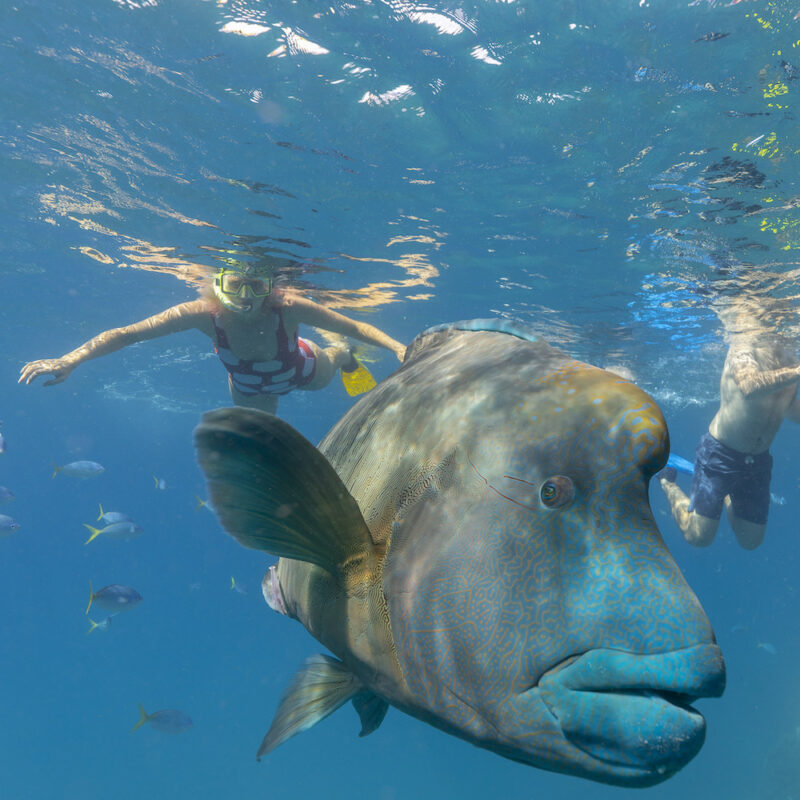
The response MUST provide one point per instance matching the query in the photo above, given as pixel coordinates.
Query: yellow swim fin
(359, 380)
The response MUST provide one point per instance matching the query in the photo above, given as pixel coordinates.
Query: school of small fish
(112, 600)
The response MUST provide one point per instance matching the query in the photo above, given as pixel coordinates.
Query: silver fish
(124, 531)
(113, 599)
(711, 37)
(7, 525)
(167, 721)
(110, 517)
(79, 469)
(100, 626)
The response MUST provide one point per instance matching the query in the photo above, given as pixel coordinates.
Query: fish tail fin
(56, 470)
(91, 598)
(92, 626)
(273, 490)
(200, 502)
(233, 583)
(95, 532)
(322, 685)
(142, 718)
(155, 481)
(101, 512)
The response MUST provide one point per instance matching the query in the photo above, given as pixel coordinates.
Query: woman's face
(241, 294)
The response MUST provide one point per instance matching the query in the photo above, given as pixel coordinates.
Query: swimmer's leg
(748, 534)
(328, 361)
(697, 529)
(262, 402)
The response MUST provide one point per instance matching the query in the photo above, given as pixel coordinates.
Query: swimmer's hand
(400, 352)
(59, 368)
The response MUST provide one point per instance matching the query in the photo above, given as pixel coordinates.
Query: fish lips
(631, 714)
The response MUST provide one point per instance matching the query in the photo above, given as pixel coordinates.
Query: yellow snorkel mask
(237, 291)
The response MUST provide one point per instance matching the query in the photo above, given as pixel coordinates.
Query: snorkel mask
(239, 291)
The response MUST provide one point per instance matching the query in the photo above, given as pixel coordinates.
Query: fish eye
(557, 491)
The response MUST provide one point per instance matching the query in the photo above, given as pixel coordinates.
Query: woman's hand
(59, 368)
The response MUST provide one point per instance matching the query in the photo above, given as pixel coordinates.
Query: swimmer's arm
(182, 317)
(753, 382)
(311, 313)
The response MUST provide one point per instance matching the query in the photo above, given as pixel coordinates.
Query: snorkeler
(254, 329)
(733, 466)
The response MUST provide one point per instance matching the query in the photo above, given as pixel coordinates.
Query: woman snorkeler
(253, 325)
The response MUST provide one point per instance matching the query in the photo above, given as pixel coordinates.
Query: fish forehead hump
(411, 423)
(604, 414)
(464, 389)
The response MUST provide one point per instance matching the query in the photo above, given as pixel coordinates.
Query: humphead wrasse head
(540, 614)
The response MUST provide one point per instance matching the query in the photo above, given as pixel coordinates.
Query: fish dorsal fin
(490, 324)
(273, 490)
(436, 335)
(371, 710)
(322, 685)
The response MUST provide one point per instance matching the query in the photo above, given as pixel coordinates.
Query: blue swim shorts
(719, 471)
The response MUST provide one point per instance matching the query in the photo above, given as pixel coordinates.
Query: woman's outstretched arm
(184, 316)
(311, 313)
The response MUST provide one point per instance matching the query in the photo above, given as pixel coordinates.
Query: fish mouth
(632, 714)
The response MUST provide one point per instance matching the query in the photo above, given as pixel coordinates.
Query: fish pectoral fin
(273, 490)
(322, 685)
(371, 710)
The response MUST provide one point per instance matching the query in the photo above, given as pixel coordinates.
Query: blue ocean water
(602, 171)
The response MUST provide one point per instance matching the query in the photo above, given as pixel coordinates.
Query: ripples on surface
(604, 173)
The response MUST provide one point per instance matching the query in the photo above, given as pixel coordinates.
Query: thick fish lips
(631, 712)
